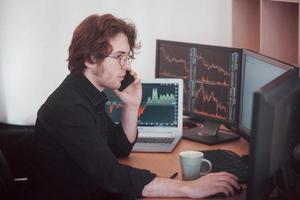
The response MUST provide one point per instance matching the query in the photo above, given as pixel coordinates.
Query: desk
(165, 164)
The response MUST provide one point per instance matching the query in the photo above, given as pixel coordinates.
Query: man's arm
(203, 187)
(85, 145)
(131, 98)
(129, 119)
(117, 139)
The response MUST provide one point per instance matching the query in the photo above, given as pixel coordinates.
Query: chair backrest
(16, 144)
(7, 184)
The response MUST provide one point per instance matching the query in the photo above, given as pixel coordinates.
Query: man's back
(74, 147)
(55, 171)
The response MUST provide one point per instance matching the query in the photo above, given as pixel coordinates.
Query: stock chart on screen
(158, 106)
(210, 76)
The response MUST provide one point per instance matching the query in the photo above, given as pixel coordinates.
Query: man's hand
(208, 185)
(213, 183)
(131, 98)
(132, 95)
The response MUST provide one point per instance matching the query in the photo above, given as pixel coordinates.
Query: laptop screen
(160, 105)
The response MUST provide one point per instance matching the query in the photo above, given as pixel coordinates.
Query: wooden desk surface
(165, 164)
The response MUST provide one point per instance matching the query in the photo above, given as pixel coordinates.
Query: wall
(35, 35)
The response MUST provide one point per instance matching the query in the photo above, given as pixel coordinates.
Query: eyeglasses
(122, 58)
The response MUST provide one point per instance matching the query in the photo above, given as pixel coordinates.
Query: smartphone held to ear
(128, 79)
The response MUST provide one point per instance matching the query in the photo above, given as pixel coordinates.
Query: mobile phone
(128, 79)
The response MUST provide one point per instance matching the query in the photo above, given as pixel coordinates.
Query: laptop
(159, 115)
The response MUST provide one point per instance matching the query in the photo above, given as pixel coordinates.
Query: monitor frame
(189, 113)
(274, 124)
(179, 82)
(244, 131)
(209, 133)
(160, 81)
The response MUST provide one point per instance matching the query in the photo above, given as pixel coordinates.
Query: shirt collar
(94, 95)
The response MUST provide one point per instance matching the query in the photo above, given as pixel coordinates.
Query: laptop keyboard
(155, 140)
(225, 160)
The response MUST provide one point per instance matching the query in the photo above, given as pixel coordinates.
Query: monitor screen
(275, 133)
(172, 61)
(161, 104)
(257, 70)
(210, 75)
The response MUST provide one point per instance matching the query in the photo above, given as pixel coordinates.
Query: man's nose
(127, 66)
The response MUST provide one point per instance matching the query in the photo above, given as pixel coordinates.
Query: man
(77, 144)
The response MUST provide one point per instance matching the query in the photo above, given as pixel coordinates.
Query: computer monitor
(160, 97)
(211, 76)
(257, 70)
(275, 132)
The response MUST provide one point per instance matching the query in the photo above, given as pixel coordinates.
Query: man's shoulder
(67, 95)
(61, 106)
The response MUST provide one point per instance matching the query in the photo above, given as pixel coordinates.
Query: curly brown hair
(91, 40)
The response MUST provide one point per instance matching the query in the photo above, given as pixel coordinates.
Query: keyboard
(225, 160)
(158, 140)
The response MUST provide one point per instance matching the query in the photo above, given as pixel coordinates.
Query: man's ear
(90, 63)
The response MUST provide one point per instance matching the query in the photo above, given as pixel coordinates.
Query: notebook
(159, 115)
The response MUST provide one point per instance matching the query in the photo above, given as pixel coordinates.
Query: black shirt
(76, 145)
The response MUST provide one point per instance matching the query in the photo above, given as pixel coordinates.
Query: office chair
(15, 161)
(7, 184)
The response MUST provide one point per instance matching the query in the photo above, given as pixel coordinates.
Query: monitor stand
(208, 133)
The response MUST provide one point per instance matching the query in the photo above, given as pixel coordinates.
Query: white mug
(191, 163)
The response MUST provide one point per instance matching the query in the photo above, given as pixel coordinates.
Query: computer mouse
(218, 195)
(222, 195)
